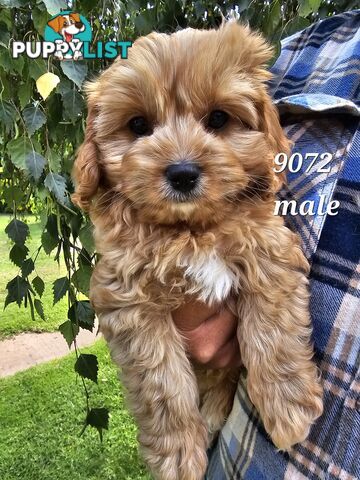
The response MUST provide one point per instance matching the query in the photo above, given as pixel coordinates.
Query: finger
(227, 357)
(192, 314)
(211, 336)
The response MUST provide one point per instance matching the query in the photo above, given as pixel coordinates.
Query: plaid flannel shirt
(317, 89)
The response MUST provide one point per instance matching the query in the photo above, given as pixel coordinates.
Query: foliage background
(39, 137)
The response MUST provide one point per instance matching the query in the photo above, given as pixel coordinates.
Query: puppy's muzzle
(183, 177)
(79, 25)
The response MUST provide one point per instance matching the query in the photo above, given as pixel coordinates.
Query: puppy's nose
(183, 177)
(79, 24)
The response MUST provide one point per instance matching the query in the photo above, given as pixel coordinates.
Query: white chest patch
(211, 276)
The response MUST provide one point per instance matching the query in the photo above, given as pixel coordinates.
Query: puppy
(68, 26)
(177, 172)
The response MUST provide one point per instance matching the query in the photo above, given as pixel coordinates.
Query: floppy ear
(270, 125)
(247, 48)
(86, 170)
(75, 16)
(56, 23)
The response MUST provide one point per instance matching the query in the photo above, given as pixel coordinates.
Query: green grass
(14, 320)
(41, 417)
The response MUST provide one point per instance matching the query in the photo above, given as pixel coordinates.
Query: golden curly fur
(157, 249)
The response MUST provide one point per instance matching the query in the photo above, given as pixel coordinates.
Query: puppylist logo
(68, 37)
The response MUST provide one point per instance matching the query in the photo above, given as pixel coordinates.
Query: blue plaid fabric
(317, 90)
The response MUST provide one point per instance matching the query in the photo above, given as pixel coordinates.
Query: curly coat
(157, 251)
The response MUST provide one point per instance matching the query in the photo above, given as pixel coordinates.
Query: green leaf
(24, 93)
(60, 288)
(12, 194)
(37, 67)
(81, 313)
(38, 285)
(54, 161)
(273, 19)
(35, 164)
(57, 185)
(64, 86)
(39, 308)
(55, 6)
(41, 193)
(75, 70)
(88, 5)
(17, 290)
(6, 60)
(52, 226)
(17, 231)
(99, 419)
(84, 258)
(6, 16)
(34, 119)
(7, 114)
(18, 64)
(295, 25)
(75, 224)
(4, 35)
(200, 9)
(69, 331)
(18, 253)
(27, 267)
(18, 150)
(243, 5)
(48, 242)
(135, 4)
(73, 104)
(40, 18)
(81, 279)
(308, 6)
(277, 49)
(6, 87)
(87, 239)
(86, 366)
(10, 64)
(145, 21)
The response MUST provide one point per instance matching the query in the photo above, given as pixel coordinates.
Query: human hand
(210, 334)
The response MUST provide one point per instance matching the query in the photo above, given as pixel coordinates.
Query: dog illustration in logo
(67, 25)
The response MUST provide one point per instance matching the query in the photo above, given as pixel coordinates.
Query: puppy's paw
(177, 456)
(59, 55)
(294, 410)
(184, 465)
(77, 55)
(195, 467)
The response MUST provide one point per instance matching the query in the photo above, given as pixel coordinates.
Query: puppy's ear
(56, 23)
(86, 170)
(259, 56)
(270, 125)
(246, 48)
(75, 17)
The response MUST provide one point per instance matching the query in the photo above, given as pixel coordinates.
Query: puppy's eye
(217, 119)
(140, 126)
